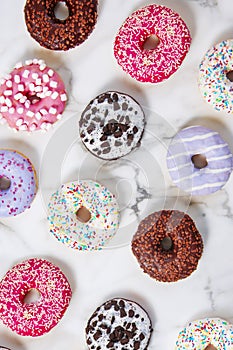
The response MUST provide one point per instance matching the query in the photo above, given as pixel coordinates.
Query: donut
(83, 214)
(55, 34)
(32, 96)
(112, 125)
(199, 160)
(153, 22)
(202, 334)
(35, 318)
(216, 76)
(167, 245)
(119, 324)
(18, 183)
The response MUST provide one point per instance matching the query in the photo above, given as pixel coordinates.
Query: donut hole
(5, 183)
(167, 243)
(210, 347)
(83, 215)
(230, 76)
(199, 161)
(151, 42)
(32, 296)
(33, 98)
(61, 11)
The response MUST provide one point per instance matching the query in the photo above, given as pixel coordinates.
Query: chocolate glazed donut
(55, 34)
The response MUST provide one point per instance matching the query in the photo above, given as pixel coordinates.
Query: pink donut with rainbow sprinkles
(152, 43)
(32, 97)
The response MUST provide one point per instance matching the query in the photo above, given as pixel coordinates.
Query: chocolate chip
(106, 150)
(122, 313)
(135, 130)
(115, 97)
(116, 106)
(97, 335)
(101, 98)
(136, 345)
(141, 336)
(131, 313)
(118, 134)
(130, 137)
(103, 138)
(124, 106)
(104, 144)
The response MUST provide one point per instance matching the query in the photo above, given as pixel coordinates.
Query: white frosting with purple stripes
(196, 140)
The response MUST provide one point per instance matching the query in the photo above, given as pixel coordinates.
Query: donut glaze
(33, 319)
(214, 84)
(175, 263)
(201, 333)
(155, 65)
(198, 140)
(112, 125)
(32, 97)
(19, 170)
(119, 324)
(103, 209)
(55, 34)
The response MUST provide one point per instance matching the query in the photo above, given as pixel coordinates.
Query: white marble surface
(140, 181)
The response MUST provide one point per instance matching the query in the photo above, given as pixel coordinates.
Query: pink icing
(33, 319)
(32, 97)
(157, 64)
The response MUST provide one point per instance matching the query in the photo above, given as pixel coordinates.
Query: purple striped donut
(18, 183)
(199, 160)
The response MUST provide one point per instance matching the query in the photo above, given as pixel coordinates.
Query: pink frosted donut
(34, 318)
(32, 96)
(158, 64)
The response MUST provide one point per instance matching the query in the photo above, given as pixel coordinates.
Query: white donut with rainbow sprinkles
(32, 97)
(206, 334)
(216, 76)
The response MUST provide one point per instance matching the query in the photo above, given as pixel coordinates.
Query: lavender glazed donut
(33, 318)
(18, 183)
(199, 160)
(159, 63)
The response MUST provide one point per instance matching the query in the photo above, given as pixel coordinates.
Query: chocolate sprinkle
(55, 34)
(110, 328)
(179, 261)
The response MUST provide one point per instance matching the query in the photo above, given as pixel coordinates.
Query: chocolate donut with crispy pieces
(167, 245)
(60, 34)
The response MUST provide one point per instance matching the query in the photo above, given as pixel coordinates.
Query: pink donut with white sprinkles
(27, 317)
(152, 23)
(32, 97)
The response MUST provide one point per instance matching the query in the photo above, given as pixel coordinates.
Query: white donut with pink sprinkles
(32, 97)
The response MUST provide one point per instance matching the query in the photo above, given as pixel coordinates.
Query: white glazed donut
(191, 144)
(200, 334)
(83, 215)
(216, 76)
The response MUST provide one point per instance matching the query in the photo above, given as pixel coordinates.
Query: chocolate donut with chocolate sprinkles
(60, 34)
(119, 324)
(167, 245)
(112, 125)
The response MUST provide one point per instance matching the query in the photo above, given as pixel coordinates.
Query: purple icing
(196, 140)
(20, 171)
